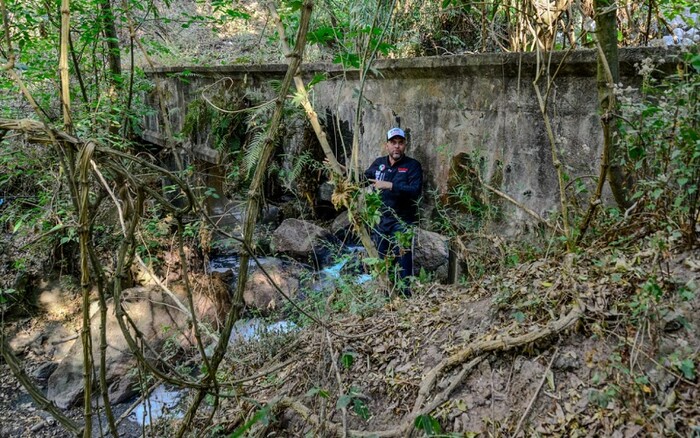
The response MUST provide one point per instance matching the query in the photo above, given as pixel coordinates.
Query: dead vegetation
(601, 343)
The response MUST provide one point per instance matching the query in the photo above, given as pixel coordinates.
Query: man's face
(396, 147)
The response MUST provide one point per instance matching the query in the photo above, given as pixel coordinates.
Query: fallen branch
(534, 396)
(477, 348)
(516, 203)
(501, 343)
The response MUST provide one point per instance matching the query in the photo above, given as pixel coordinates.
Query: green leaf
(360, 408)
(262, 415)
(695, 62)
(347, 60)
(322, 35)
(429, 425)
(317, 391)
(372, 261)
(343, 401)
(688, 369)
(295, 5)
(318, 77)
(519, 316)
(348, 358)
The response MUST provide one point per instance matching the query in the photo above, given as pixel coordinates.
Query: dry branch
(33, 391)
(501, 343)
(534, 396)
(477, 348)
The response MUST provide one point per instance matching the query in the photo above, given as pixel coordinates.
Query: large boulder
(304, 241)
(156, 316)
(260, 294)
(431, 253)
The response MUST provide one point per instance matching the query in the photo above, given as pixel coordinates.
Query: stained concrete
(476, 103)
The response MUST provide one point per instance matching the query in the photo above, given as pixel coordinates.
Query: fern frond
(253, 151)
(303, 162)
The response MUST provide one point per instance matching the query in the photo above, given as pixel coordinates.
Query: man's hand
(382, 185)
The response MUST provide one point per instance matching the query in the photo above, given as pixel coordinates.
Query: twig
(516, 203)
(536, 394)
(334, 363)
(139, 400)
(654, 361)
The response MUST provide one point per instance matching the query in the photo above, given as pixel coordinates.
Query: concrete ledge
(577, 62)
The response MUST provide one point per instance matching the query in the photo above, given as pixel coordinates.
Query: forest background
(73, 86)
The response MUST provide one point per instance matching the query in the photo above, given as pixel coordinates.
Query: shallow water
(161, 403)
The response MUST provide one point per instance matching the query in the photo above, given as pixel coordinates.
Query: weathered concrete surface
(484, 103)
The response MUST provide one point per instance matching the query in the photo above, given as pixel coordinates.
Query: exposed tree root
(474, 351)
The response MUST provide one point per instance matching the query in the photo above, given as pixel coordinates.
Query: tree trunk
(112, 40)
(608, 65)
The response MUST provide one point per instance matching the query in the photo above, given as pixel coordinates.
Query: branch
(477, 348)
(605, 153)
(534, 396)
(514, 202)
(35, 392)
(500, 343)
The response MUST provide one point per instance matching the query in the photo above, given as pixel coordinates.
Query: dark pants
(387, 244)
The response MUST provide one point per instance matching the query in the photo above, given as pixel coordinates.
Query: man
(399, 180)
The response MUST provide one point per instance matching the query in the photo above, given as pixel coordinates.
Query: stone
(44, 370)
(123, 389)
(431, 253)
(325, 191)
(341, 224)
(156, 316)
(263, 296)
(303, 241)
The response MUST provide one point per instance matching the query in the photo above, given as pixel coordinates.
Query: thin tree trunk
(112, 41)
(84, 236)
(606, 32)
(254, 195)
(595, 200)
(63, 65)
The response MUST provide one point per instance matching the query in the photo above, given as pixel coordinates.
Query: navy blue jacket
(401, 202)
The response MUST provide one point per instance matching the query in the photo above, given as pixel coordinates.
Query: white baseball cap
(394, 132)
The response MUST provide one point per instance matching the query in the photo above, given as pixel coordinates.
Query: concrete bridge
(474, 110)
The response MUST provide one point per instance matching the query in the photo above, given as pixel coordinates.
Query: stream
(166, 402)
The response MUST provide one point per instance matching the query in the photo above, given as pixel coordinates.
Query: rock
(45, 370)
(152, 311)
(341, 225)
(303, 241)
(261, 295)
(270, 215)
(123, 389)
(431, 253)
(325, 191)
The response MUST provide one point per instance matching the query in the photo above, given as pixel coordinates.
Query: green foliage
(348, 358)
(317, 391)
(661, 136)
(372, 213)
(262, 415)
(302, 164)
(6, 295)
(225, 129)
(350, 32)
(355, 398)
(428, 425)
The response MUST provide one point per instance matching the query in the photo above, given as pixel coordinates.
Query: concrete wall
(450, 105)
